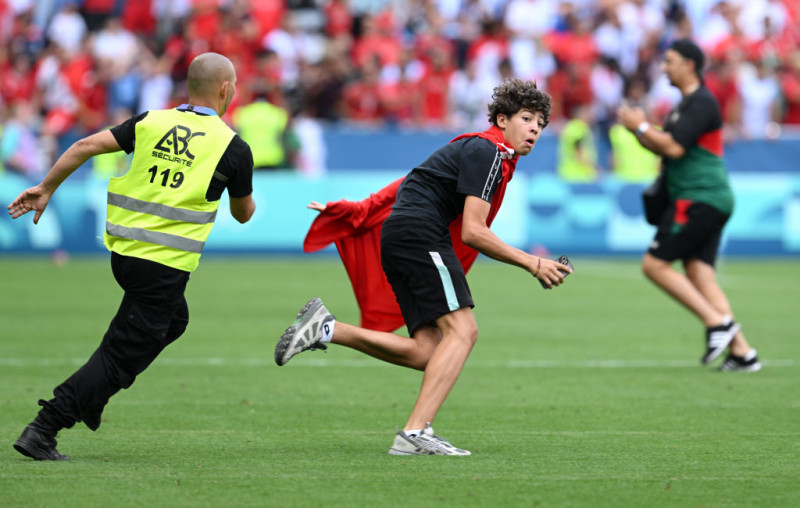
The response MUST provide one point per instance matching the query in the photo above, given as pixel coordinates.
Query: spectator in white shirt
(759, 90)
(67, 28)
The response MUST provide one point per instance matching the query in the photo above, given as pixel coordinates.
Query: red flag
(355, 227)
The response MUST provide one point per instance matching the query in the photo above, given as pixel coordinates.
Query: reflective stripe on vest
(163, 211)
(165, 239)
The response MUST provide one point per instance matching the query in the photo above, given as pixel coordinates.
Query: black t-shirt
(700, 174)
(235, 167)
(433, 194)
(697, 114)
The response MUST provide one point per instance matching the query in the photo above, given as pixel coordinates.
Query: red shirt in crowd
(137, 17)
(429, 43)
(386, 49)
(378, 40)
(339, 21)
(570, 47)
(433, 92)
(362, 101)
(98, 6)
(790, 84)
(569, 88)
(268, 14)
(205, 19)
(725, 89)
(19, 81)
(399, 100)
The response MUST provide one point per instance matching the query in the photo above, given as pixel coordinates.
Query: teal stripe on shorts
(447, 282)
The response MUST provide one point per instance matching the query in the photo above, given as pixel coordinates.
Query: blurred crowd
(71, 67)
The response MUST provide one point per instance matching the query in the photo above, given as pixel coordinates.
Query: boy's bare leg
(459, 334)
(390, 347)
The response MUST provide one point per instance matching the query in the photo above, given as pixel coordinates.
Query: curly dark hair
(515, 94)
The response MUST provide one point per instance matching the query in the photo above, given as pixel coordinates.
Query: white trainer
(426, 443)
(746, 363)
(305, 333)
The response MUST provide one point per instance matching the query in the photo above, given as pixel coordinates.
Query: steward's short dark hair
(514, 95)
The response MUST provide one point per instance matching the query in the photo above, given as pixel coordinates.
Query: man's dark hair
(691, 51)
(514, 95)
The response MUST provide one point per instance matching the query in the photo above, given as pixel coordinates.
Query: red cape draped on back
(355, 227)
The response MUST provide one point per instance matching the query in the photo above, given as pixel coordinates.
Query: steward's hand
(35, 198)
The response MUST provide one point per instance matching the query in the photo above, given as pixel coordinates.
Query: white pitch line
(322, 362)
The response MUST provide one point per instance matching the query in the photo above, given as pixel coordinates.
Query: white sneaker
(426, 443)
(746, 363)
(305, 333)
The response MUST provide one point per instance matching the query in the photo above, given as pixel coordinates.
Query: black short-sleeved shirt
(235, 166)
(433, 194)
(697, 114)
(700, 174)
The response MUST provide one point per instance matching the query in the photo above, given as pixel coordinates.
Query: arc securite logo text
(174, 145)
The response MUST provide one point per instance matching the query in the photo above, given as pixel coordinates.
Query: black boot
(36, 444)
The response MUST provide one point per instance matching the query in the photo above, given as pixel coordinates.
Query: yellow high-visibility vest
(262, 126)
(570, 167)
(633, 162)
(158, 209)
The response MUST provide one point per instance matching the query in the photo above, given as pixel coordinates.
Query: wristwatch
(642, 128)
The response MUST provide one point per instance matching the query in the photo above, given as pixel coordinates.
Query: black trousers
(153, 313)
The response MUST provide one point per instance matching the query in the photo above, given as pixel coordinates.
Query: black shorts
(689, 230)
(427, 278)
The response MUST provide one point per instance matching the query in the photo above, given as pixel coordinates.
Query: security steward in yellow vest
(263, 126)
(632, 161)
(577, 155)
(159, 215)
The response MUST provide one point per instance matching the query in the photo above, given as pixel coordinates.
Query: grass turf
(589, 395)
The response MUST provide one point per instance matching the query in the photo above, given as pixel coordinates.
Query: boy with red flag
(438, 222)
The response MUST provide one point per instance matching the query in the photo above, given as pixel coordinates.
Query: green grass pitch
(588, 395)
